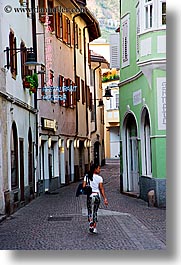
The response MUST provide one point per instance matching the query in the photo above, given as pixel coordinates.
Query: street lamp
(107, 93)
(101, 104)
(30, 62)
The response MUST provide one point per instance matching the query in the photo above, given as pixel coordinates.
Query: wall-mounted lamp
(59, 142)
(85, 143)
(68, 143)
(88, 143)
(101, 104)
(107, 93)
(39, 140)
(49, 142)
(76, 143)
(30, 62)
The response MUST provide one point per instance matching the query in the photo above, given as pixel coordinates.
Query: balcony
(152, 53)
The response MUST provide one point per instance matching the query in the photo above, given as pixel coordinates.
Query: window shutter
(125, 41)
(42, 13)
(57, 26)
(51, 15)
(90, 101)
(115, 50)
(83, 91)
(65, 28)
(61, 79)
(66, 84)
(78, 87)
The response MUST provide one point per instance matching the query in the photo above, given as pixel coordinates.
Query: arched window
(14, 157)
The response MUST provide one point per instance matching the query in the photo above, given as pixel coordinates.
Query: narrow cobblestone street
(58, 221)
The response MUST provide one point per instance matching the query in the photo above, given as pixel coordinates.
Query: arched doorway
(130, 155)
(145, 143)
(30, 163)
(14, 157)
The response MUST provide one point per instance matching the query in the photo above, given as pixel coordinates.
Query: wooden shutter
(57, 26)
(65, 28)
(83, 91)
(74, 94)
(51, 15)
(90, 101)
(67, 92)
(78, 88)
(61, 79)
(42, 13)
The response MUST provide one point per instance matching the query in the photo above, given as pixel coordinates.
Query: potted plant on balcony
(31, 82)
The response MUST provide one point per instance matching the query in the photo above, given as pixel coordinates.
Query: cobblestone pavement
(58, 221)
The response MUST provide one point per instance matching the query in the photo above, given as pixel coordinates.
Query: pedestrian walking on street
(93, 200)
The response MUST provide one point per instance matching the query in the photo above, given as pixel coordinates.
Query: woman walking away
(93, 200)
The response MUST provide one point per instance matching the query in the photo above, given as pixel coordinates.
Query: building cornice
(130, 79)
(18, 102)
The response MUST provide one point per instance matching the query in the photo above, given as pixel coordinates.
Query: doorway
(130, 155)
(21, 145)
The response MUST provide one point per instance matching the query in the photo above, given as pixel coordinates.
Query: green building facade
(143, 98)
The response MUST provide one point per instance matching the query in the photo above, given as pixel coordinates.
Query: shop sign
(48, 124)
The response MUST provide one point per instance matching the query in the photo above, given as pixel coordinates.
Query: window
(163, 13)
(80, 40)
(137, 30)
(111, 103)
(13, 54)
(59, 26)
(90, 101)
(76, 36)
(93, 114)
(148, 14)
(125, 41)
(117, 101)
(66, 30)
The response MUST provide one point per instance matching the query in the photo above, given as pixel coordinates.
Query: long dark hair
(91, 171)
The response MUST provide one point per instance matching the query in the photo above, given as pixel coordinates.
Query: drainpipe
(85, 77)
(35, 51)
(35, 96)
(95, 107)
(75, 74)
